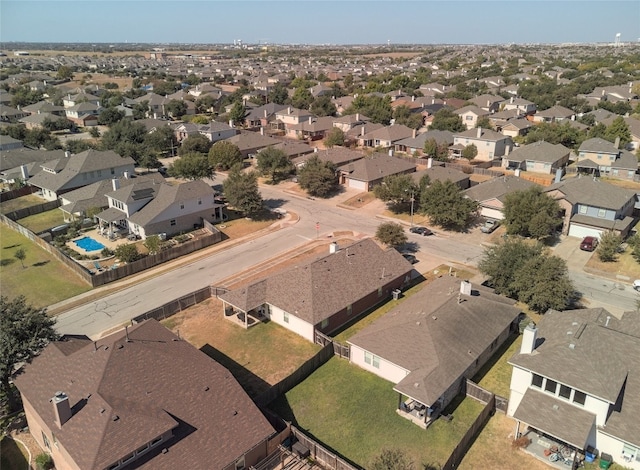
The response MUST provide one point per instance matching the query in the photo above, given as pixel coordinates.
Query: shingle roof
(137, 389)
(251, 141)
(497, 188)
(377, 166)
(597, 144)
(390, 133)
(418, 141)
(435, 337)
(592, 192)
(316, 290)
(440, 173)
(485, 134)
(539, 151)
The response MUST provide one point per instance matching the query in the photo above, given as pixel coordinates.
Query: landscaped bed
(353, 412)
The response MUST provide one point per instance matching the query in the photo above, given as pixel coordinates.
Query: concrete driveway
(569, 250)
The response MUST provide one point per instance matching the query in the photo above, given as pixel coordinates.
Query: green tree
(470, 152)
(127, 253)
(24, 332)
(377, 108)
(206, 104)
(241, 190)
(543, 283)
(501, 262)
(484, 122)
(20, 254)
(126, 138)
(392, 459)
(278, 94)
(199, 119)
(161, 141)
(44, 462)
(531, 213)
(439, 152)
(334, 137)
(318, 178)
(323, 106)
(618, 129)
(274, 162)
(446, 120)
(396, 191)
(192, 166)
(195, 143)
(301, 98)
(153, 244)
(77, 146)
(140, 110)
(609, 246)
(57, 124)
(110, 116)
(446, 206)
(403, 115)
(149, 161)
(176, 108)
(238, 113)
(556, 133)
(64, 73)
(391, 234)
(223, 155)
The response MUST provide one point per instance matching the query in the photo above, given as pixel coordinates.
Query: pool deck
(95, 234)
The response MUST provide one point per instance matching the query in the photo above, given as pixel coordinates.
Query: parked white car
(636, 284)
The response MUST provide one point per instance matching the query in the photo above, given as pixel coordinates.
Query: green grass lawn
(20, 203)
(13, 456)
(43, 221)
(495, 376)
(43, 280)
(353, 413)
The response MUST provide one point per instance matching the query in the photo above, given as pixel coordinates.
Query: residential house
(600, 157)
(139, 398)
(524, 106)
(415, 145)
(554, 114)
(250, 143)
(385, 136)
(490, 195)
(11, 115)
(348, 122)
(634, 129)
(368, 172)
(342, 103)
(442, 173)
(9, 143)
(294, 148)
(320, 90)
(338, 156)
(38, 120)
(291, 116)
(312, 129)
(592, 207)
(491, 145)
(516, 127)
(324, 294)
(84, 114)
(490, 103)
(538, 157)
(432, 342)
(353, 135)
(45, 107)
(470, 115)
(575, 380)
(216, 131)
(74, 171)
(262, 116)
(11, 160)
(73, 100)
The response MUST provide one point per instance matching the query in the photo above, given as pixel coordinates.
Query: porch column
(399, 401)
(517, 435)
(246, 320)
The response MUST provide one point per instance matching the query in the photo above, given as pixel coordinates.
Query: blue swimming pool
(89, 244)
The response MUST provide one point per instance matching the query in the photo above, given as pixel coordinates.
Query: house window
(372, 359)
(536, 381)
(579, 397)
(285, 317)
(240, 463)
(551, 386)
(599, 157)
(45, 439)
(182, 205)
(469, 118)
(565, 392)
(113, 466)
(173, 222)
(583, 209)
(602, 213)
(99, 172)
(113, 171)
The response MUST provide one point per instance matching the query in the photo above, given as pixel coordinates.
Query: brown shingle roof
(376, 167)
(152, 382)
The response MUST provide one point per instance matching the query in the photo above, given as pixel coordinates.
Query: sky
(320, 22)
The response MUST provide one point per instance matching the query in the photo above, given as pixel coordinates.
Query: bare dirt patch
(359, 200)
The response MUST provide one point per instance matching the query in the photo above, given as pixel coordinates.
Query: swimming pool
(88, 244)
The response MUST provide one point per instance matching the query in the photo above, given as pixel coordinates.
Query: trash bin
(590, 455)
(605, 461)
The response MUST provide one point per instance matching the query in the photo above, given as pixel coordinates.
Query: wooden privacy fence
(317, 452)
(32, 210)
(16, 193)
(339, 349)
(482, 395)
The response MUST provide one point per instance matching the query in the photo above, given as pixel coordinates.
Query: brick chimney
(61, 408)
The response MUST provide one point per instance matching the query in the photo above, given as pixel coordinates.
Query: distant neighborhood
(450, 215)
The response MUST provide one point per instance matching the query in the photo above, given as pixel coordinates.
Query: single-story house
(490, 195)
(442, 173)
(385, 136)
(415, 145)
(367, 172)
(323, 294)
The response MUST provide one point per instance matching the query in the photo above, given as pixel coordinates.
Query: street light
(412, 201)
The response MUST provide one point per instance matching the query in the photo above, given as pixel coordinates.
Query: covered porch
(112, 224)
(245, 319)
(416, 412)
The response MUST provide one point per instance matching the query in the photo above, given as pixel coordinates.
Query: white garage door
(581, 231)
(491, 213)
(358, 184)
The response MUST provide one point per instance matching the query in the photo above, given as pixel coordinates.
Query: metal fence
(317, 452)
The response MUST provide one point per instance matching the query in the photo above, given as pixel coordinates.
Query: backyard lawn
(495, 376)
(243, 352)
(43, 280)
(20, 203)
(45, 220)
(353, 413)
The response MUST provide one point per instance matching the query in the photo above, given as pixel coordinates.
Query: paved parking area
(569, 250)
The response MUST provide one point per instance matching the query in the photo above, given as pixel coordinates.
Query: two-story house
(488, 102)
(470, 115)
(554, 114)
(538, 157)
(74, 171)
(592, 207)
(524, 106)
(600, 157)
(291, 116)
(576, 381)
(385, 136)
(491, 145)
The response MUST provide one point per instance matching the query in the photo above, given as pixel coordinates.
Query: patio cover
(555, 417)
(111, 215)
(587, 163)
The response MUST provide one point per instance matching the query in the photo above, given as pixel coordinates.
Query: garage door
(491, 213)
(362, 185)
(581, 231)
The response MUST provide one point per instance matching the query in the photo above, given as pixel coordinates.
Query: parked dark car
(424, 231)
(589, 244)
(410, 258)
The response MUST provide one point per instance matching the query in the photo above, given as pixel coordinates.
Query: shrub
(106, 252)
(44, 462)
(521, 442)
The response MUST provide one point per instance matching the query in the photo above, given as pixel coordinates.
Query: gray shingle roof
(540, 151)
(597, 144)
(592, 192)
(497, 188)
(440, 173)
(418, 141)
(377, 166)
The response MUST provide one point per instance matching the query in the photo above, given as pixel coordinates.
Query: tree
(140, 110)
(484, 122)
(24, 332)
(176, 108)
(318, 178)
(127, 253)
(392, 459)
(44, 462)
(279, 94)
(64, 72)
(206, 103)
(77, 146)
(609, 246)
(126, 138)
(153, 244)
(149, 161)
(274, 162)
(391, 234)
(241, 190)
(20, 255)
(543, 283)
(501, 262)
(110, 116)
(531, 213)
(323, 106)
(403, 115)
(195, 143)
(618, 129)
(377, 108)
(57, 124)
(436, 151)
(446, 120)
(334, 137)
(192, 166)
(162, 141)
(223, 155)
(238, 113)
(301, 98)
(470, 152)
(445, 204)
(396, 190)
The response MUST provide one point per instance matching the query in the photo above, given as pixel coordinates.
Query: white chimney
(67, 154)
(61, 408)
(479, 132)
(265, 113)
(261, 130)
(517, 173)
(24, 172)
(391, 152)
(115, 184)
(465, 287)
(333, 247)
(310, 120)
(617, 142)
(488, 103)
(415, 132)
(430, 162)
(511, 100)
(289, 110)
(357, 117)
(230, 122)
(125, 174)
(529, 338)
(362, 130)
(413, 98)
(315, 149)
